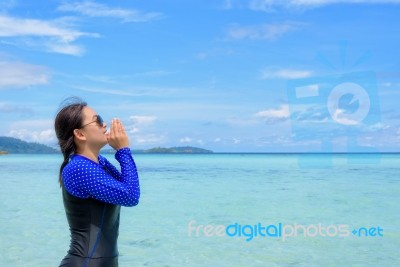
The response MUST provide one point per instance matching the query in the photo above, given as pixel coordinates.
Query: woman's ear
(78, 134)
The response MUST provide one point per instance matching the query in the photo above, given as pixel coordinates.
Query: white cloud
(101, 79)
(15, 108)
(40, 131)
(285, 74)
(148, 139)
(139, 122)
(52, 36)
(93, 9)
(230, 4)
(310, 114)
(18, 74)
(133, 129)
(34, 125)
(46, 136)
(106, 91)
(341, 117)
(241, 121)
(387, 84)
(261, 32)
(235, 141)
(378, 126)
(214, 52)
(261, 5)
(155, 73)
(226, 141)
(65, 48)
(202, 55)
(271, 5)
(185, 140)
(280, 113)
(142, 119)
(133, 91)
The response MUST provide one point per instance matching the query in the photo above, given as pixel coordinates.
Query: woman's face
(95, 133)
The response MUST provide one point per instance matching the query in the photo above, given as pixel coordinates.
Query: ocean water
(220, 210)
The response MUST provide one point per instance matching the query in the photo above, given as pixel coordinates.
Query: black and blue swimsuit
(93, 194)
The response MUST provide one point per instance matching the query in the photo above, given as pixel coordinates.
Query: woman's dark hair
(69, 118)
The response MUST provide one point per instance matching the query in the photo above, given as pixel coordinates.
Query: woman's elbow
(133, 201)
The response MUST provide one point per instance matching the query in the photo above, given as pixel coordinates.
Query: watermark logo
(335, 113)
(280, 230)
(358, 96)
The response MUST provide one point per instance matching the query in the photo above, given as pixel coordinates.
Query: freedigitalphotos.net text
(280, 230)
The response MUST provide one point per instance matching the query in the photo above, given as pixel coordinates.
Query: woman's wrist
(123, 149)
(123, 152)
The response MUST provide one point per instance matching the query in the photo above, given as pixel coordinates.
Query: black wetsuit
(93, 193)
(94, 232)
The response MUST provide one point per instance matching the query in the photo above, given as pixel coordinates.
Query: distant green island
(10, 145)
(171, 150)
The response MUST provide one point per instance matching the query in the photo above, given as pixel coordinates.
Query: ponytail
(67, 120)
(63, 164)
(67, 149)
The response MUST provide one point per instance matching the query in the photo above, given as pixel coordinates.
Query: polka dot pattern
(85, 178)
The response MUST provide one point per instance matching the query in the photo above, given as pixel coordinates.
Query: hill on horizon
(17, 146)
(175, 149)
(170, 150)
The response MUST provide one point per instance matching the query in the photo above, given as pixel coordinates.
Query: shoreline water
(229, 153)
(215, 189)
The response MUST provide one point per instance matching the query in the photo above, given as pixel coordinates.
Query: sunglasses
(99, 120)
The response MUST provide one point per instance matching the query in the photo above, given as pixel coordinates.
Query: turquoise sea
(202, 210)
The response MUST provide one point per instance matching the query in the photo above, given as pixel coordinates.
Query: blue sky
(222, 75)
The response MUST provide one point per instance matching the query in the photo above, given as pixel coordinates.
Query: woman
(93, 189)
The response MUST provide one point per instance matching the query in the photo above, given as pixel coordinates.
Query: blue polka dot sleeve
(85, 178)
